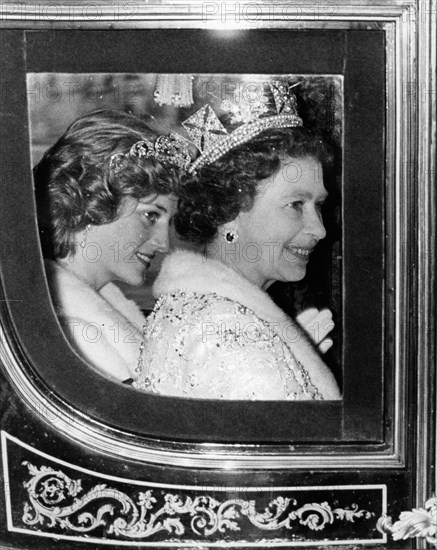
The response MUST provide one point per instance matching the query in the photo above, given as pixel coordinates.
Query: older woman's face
(276, 237)
(124, 249)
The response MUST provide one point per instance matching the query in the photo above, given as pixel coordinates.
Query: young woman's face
(124, 249)
(276, 237)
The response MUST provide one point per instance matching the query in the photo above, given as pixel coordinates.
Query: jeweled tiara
(168, 149)
(252, 115)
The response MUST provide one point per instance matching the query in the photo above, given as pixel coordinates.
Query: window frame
(34, 372)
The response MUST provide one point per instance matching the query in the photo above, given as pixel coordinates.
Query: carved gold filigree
(54, 502)
(420, 523)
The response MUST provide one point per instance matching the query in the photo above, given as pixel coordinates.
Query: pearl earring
(85, 235)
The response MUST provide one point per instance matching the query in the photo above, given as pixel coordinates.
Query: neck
(230, 255)
(84, 270)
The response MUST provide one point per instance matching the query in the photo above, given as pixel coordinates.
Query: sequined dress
(214, 335)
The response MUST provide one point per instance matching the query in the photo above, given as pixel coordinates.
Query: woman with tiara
(105, 194)
(215, 333)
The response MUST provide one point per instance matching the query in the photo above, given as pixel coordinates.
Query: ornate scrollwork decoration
(420, 522)
(55, 501)
(48, 489)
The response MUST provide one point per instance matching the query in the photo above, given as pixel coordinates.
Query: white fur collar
(194, 272)
(72, 294)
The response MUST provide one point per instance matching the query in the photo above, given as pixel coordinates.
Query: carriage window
(109, 250)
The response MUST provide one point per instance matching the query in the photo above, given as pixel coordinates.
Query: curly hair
(223, 189)
(74, 185)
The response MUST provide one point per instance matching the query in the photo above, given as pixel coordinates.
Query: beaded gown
(215, 335)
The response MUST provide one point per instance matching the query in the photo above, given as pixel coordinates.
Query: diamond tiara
(253, 114)
(168, 149)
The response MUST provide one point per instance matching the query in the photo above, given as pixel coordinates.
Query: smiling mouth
(145, 259)
(302, 253)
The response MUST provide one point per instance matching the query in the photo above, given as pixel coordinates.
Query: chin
(138, 281)
(133, 279)
(135, 283)
(296, 276)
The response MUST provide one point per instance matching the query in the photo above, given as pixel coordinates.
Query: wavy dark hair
(74, 185)
(228, 186)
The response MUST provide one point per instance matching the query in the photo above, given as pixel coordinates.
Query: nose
(314, 224)
(160, 239)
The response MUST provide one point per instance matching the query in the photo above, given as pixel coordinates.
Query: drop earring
(85, 235)
(230, 235)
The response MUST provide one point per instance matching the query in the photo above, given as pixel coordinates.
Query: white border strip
(5, 437)
(262, 543)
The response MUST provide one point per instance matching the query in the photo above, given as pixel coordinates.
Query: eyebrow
(156, 205)
(302, 193)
